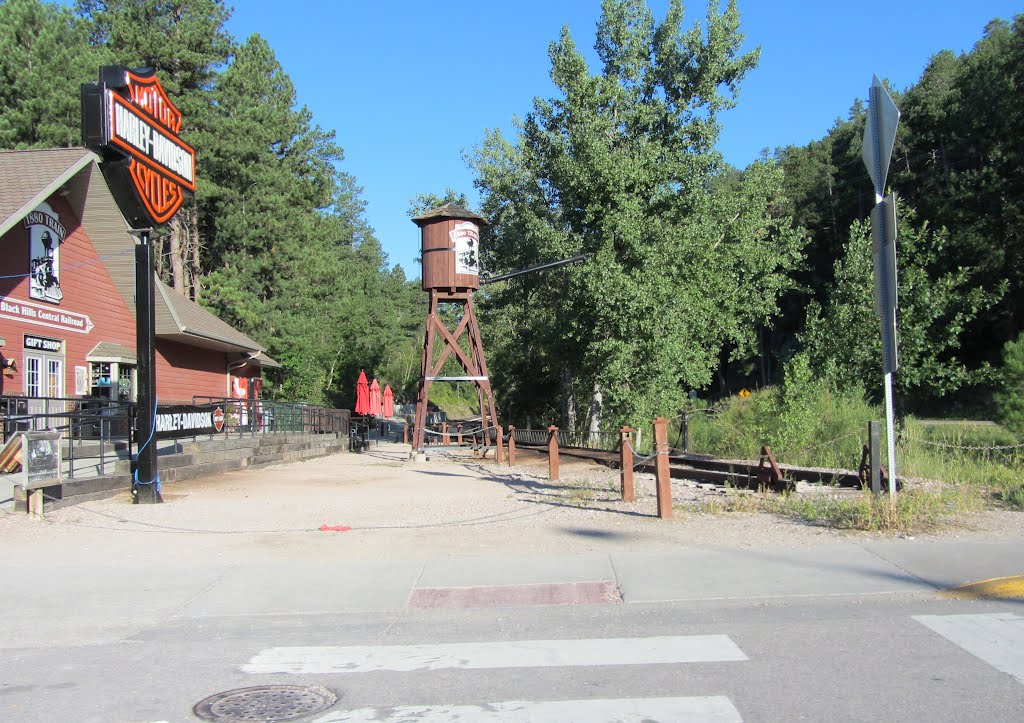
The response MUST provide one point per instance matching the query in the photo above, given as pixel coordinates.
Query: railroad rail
(742, 474)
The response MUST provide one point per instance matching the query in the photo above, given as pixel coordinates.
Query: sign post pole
(879, 137)
(146, 482)
(128, 119)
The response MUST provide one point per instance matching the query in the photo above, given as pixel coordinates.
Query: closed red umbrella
(375, 398)
(362, 395)
(388, 409)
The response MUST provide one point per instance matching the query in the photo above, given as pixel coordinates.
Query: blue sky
(409, 86)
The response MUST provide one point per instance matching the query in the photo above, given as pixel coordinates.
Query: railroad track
(741, 474)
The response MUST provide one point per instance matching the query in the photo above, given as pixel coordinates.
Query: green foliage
(956, 164)
(458, 401)
(985, 456)
(621, 166)
(1010, 396)
(423, 202)
(287, 256)
(843, 338)
(795, 407)
(805, 422)
(45, 56)
(964, 155)
(915, 510)
(954, 468)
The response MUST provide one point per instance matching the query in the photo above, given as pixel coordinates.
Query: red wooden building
(67, 289)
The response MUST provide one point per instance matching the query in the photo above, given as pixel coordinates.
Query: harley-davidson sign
(174, 421)
(129, 119)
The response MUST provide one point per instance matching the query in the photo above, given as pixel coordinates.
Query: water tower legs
(474, 364)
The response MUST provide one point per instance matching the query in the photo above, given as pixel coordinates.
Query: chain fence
(1002, 454)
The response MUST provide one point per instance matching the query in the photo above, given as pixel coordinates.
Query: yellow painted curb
(996, 587)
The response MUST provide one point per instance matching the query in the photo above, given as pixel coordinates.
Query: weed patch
(916, 510)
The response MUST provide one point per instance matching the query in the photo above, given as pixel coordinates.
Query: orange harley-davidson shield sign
(129, 119)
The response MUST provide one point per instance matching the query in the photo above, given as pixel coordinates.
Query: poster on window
(466, 237)
(45, 234)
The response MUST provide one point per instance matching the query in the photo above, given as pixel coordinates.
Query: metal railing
(608, 441)
(263, 416)
(95, 429)
(97, 432)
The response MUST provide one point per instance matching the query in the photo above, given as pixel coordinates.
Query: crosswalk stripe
(996, 638)
(498, 654)
(710, 708)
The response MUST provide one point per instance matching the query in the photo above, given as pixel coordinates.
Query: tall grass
(458, 401)
(831, 432)
(953, 469)
(985, 456)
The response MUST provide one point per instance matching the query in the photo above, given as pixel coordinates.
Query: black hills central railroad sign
(129, 120)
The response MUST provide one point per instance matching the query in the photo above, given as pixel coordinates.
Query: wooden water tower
(450, 237)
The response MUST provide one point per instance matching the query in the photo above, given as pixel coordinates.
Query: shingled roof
(448, 210)
(27, 178)
(183, 320)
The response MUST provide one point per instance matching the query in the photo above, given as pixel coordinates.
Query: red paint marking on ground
(496, 596)
(334, 528)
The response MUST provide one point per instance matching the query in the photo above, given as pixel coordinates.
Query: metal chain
(642, 460)
(455, 433)
(960, 446)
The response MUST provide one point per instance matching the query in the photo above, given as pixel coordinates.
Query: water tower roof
(449, 210)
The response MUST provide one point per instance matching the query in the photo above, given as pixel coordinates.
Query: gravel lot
(450, 504)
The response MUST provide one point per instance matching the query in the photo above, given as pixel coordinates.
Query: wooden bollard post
(444, 433)
(553, 453)
(499, 451)
(626, 460)
(405, 434)
(35, 502)
(460, 434)
(511, 446)
(663, 482)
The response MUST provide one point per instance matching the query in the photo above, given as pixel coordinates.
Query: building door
(44, 380)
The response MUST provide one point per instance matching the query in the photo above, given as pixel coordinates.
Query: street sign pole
(145, 484)
(879, 137)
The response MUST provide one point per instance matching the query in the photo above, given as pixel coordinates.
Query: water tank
(450, 250)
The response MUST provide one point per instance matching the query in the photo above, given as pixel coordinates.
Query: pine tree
(186, 42)
(45, 56)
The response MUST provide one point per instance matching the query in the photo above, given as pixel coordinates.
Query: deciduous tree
(622, 165)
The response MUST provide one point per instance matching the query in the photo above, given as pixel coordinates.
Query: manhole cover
(265, 704)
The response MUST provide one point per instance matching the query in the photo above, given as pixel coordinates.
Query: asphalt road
(859, 658)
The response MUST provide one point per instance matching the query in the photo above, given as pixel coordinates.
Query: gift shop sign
(29, 313)
(128, 119)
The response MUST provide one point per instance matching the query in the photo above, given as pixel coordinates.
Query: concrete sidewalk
(452, 532)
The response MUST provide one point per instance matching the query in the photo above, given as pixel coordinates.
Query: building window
(126, 383)
(54, 377)
(33, 376)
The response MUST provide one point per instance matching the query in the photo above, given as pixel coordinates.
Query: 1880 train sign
(128, 119)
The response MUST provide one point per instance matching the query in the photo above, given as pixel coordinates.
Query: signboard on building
(181, 420)
(466, 236)
(43, 343)
(29, 313)
(128, 118)
(45, 235)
